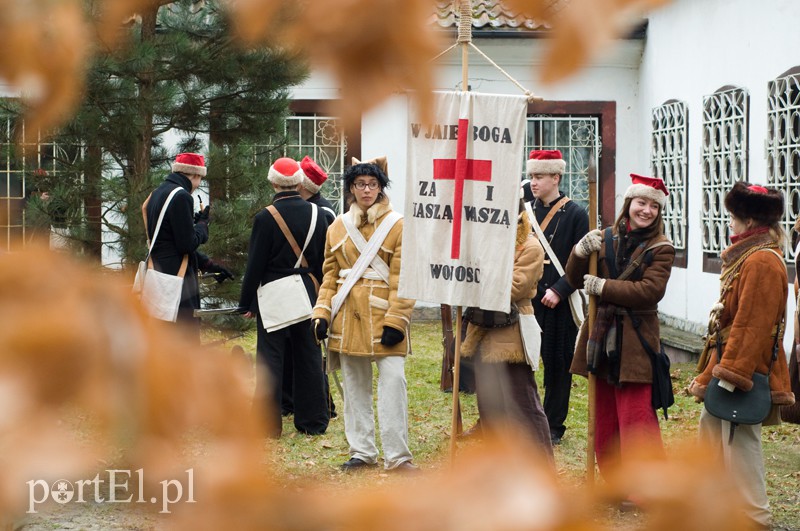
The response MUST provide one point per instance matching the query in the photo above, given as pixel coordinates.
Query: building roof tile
(491, 15)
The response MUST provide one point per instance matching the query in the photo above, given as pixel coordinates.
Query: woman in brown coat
(613, 351)
(748, 320)
(504, 382)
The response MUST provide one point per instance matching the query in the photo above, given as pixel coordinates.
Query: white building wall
(613, 77)
(692, 49)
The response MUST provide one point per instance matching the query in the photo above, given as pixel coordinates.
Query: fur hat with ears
(750, 201)
(285, 172)
(377, 168)
(314, 176)
(546, 161)
(190, 164)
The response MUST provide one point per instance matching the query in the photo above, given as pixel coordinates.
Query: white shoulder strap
(380, 233)
(311, 230)
(545, 244)
(366, 257)
(328, 209)
(160, 219)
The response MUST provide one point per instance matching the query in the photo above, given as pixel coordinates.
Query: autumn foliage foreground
(89, 383)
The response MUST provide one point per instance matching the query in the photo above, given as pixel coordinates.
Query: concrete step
(681, 346)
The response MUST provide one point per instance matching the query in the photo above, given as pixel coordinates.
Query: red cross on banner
(459, 170)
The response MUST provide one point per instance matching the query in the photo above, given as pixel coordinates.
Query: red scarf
(752, 232)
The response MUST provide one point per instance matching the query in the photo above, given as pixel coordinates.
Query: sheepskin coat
(751, 307)
(496, 345)
(640, 292)
(371, 304)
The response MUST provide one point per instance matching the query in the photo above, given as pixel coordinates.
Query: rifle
(448, 344)
(448, 379)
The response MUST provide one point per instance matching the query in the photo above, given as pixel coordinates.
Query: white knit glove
(593, 285)
(589, 244)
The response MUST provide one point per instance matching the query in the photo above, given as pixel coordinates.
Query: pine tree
(183, 84)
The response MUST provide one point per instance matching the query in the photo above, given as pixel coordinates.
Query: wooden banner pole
(590, 455)
(464, 37)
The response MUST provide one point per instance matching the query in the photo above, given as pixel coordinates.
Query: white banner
(462, 200)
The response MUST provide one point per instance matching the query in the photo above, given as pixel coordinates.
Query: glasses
(371, 185)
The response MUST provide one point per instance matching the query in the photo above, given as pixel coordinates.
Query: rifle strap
(610, 257)
(555, 208)
(301, 259)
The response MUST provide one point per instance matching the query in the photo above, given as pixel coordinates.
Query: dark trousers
(558, 345)
(309, 395)
(287, 398)
(557, 387)
(507, 392)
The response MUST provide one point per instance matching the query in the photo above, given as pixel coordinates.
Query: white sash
(575, 299)
(310, 235)
(377, 262)
(368, 256)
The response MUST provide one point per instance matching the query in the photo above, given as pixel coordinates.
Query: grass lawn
(316, 459)
(302, 462)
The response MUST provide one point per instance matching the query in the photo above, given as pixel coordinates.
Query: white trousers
(744, 459)
(359, 418)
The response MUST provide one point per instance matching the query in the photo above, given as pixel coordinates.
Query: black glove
(220, 273)
(391, 336)
(203, 215)
(319, 327)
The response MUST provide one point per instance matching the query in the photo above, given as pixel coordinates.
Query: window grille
(319, 138)
(724, 160)
(668, 160)
(17, 165)
(783, 146)
(578, 139)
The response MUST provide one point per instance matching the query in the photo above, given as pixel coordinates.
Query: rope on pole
(465, 22)
(465, 39)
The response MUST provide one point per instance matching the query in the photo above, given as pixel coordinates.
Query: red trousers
(624, 417)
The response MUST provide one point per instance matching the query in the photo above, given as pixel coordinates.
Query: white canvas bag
(160, 293)
(285, 301)
(531, 334)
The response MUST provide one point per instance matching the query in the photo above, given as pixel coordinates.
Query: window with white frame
(783, 145)
(578, 139)
(724, 161)
(19, 163)
(668, 160)
(319, 137)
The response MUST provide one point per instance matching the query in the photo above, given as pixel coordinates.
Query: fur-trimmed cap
(750, 201)
(285, 172)
(314, 176)
(649, 187)
(190, 164)
(547, 161)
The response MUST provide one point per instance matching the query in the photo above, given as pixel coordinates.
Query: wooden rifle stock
(448, 380)
(448, 344)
